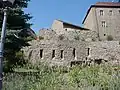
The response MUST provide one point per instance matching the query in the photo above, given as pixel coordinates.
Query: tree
(17, 21)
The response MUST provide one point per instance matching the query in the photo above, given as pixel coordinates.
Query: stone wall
(47, 34)
(64, 52)
(56, 52)
(75, 35)
(106, 51)
(57, 26)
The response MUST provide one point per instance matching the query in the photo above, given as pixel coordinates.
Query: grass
(97, 77)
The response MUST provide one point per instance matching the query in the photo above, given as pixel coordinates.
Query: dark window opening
(53, 53)
(104, 34)
(119, 11)
(103, 24)
(74, 52)
(76, 63)
(88, 51)
(110, 12)
(65, 29)
(41, 53)
(101, 12)
(98, 61)
(61, 53)
(30, 54)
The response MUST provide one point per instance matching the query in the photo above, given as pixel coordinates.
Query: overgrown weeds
(95, 77)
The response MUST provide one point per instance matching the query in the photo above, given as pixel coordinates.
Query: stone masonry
(65, 44)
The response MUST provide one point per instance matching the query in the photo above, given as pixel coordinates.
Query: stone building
(61, 27)
(65, 43)
(104, 18)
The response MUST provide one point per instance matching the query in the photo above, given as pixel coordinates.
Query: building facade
(103, 17)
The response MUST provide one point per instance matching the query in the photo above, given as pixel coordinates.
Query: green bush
(15, 60)
(97, 77)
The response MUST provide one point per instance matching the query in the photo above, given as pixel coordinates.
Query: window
(110, 12)
(103, 24)
(101, 12)
(41, 53)
(88, 51)
(74, 52)
(65, 29)
(61, 53)
(119, 11)
(30, 54)
(53, 53)
(104, 34)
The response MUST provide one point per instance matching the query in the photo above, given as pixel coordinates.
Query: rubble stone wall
(108, 51)
(64, 52)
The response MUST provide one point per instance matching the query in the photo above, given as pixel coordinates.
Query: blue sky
(45, 11)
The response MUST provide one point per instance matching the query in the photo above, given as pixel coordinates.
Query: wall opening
(61, 53)
(88, 51)
(104, 34)
(30, 54)
(41, 53)
(119, 11)
(110, 12)
(101, 12)
(74, 63)
(103, 24)
(53, 53)
(74, 54)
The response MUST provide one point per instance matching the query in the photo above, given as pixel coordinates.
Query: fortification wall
(75, 35)
(56, 52)
(73, 46)
(64, 52)
(47, 34)
(108, 51)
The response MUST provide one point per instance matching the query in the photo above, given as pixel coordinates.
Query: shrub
(97, 77)
(17, 59)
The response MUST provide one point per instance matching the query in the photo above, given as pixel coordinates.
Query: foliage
(17, 21)
(11, 61)
(98, 77)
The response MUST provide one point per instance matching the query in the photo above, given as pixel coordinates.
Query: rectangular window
(30, 54)
(101, 12)
(103, 24)
(53, 53)
(110, 12)
(61, 53)
(74, 52)
(41, 53)
(119, 11)
(88, 51)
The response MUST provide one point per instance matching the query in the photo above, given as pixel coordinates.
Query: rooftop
(76, 26)
(110, 4)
